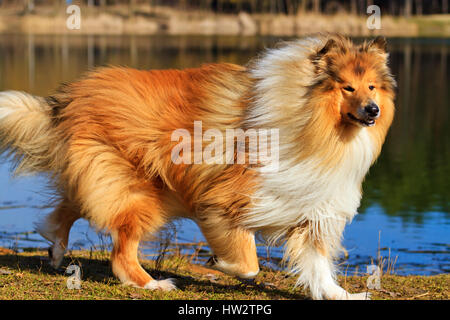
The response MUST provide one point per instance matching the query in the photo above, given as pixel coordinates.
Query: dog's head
(359, 78)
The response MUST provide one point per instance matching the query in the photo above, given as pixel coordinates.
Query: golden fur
(106, 140)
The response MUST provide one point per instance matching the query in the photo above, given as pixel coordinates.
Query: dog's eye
(349, 89)
(371, 87)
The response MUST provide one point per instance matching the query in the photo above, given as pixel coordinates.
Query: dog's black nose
(372, 110)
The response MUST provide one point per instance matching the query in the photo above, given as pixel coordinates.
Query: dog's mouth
(368, 122)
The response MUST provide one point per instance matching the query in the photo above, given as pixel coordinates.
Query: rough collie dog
(106, 142)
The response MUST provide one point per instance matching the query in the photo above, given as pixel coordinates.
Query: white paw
(352, 296)
(232, 269)
(337, 293)
(359, 296)
(165, 285)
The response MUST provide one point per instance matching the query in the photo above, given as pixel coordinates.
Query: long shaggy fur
(27, 132)
(106, 139)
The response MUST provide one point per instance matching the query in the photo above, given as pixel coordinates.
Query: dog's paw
(165, 285)
(340, 294)
(56, 255)
(359, 296)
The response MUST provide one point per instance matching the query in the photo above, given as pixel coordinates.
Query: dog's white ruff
(300, 192)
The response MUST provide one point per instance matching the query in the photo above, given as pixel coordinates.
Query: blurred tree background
(287, 7)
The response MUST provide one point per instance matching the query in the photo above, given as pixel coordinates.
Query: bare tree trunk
(445, 6)
(354, 7)
(238, 6)
(302, 7)
(434, 5)
(182, 4)
(272, 6)
(290, 7)
(281, 7)
(362, 6)
(316, 6)
(408, 8)
(392, 8)
(102, 4)
(253, 6)
(419, 8)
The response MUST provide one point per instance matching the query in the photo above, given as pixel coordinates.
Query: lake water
(405, 210)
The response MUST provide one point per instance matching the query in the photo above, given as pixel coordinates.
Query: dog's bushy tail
(27, 133)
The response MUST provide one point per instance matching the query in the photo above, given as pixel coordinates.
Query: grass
(27, 276)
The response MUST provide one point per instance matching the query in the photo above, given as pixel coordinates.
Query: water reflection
(406, 194)
(412, 174)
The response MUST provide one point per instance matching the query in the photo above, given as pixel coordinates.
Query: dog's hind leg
(56, 228)
(113, 196)
(141, 216)
(234, 249)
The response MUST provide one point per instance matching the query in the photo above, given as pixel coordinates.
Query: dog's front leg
(234, 248)
(309, 254)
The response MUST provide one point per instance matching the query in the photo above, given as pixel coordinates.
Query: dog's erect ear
(331, 43)
(378, 43)
(318, 58)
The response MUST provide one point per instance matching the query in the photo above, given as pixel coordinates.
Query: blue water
(419, 248)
